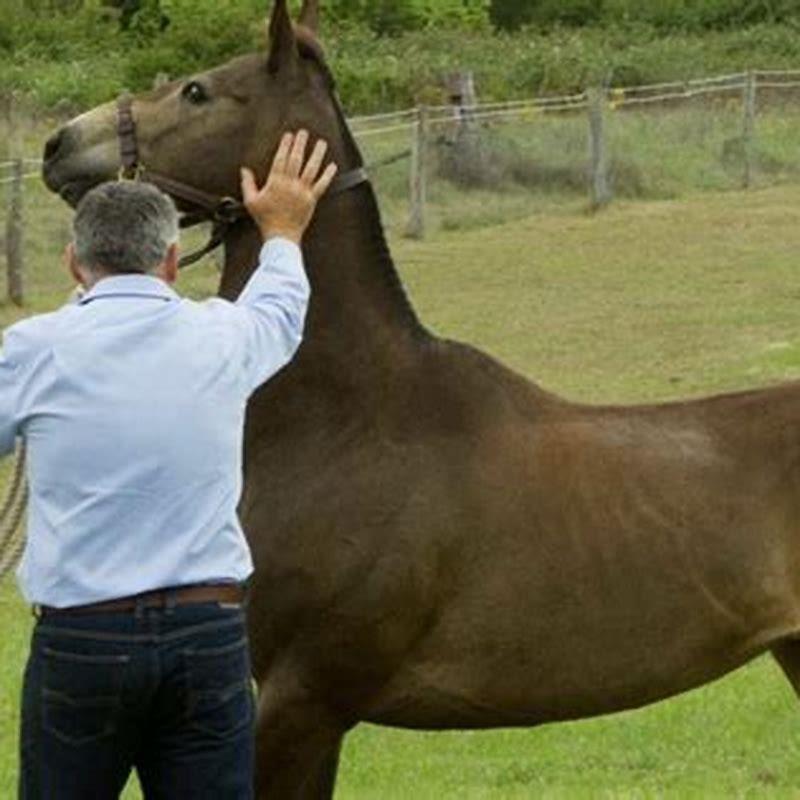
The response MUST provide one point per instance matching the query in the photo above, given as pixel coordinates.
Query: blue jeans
(164, 691)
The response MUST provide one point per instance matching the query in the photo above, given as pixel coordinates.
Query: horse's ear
(283, 45)
(309, 15)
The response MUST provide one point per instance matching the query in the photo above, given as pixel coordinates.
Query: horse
(439, 542)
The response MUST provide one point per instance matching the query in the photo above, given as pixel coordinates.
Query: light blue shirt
(132, 405)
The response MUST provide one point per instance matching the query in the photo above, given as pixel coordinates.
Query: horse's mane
(311, 49)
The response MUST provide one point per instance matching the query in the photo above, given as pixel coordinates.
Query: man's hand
(285, 204)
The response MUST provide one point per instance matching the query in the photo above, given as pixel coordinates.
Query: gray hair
(124, 227)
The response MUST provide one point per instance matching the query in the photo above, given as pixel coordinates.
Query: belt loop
(139, 608)
(170, 601)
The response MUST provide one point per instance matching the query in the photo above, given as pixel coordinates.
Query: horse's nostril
(54, 145)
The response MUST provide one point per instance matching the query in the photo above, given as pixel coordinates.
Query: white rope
(535, 102)
(694, 82)
(660, 98)
(411, 112)
(25, 177)
(521, 105)
(511, 113)
(781, 85)
(26, 162)
(521, 112)
(11, 161)
(390, 129)
(12, 537)
(447, 107)
(14, 545)
(730, 78)
(777, 73)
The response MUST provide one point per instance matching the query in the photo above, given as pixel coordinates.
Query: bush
(513, 14)
(700, 15)
(666, 15)
(392, 17)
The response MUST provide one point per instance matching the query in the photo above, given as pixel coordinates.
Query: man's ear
(169, 269)
(71, 260)
(283, 53)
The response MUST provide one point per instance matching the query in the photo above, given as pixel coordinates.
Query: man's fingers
(285, 204)
(323, 184)
(297, 156)
(281, 159)
(314, 164)
(249, 185)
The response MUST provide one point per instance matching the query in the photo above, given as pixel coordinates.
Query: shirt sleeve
(273, 310)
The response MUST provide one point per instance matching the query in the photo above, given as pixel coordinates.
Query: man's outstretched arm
(275, 300)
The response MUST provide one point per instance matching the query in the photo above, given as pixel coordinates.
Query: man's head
(121, 229)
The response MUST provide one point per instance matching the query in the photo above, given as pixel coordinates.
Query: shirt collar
(130, 286)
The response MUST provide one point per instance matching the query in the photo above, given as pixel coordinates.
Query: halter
(223, 212)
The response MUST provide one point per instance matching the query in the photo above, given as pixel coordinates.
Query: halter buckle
(134, 173)
(228, 210)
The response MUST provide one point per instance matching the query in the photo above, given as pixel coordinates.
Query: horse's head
(199, 131)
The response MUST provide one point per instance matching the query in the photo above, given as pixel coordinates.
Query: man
(132, 402)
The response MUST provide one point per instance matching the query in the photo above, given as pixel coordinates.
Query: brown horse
(440, 543)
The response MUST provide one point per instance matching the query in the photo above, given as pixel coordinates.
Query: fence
(467, 163)
(14, 173)
(729, 131)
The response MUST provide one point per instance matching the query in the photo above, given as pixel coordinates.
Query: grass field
(646, 301)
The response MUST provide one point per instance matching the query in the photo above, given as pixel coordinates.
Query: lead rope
(12, 532)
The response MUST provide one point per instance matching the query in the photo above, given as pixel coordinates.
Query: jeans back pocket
(219, 700)
(81, 694)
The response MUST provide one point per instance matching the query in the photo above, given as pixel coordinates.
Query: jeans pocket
(81, 694)
(219, 695)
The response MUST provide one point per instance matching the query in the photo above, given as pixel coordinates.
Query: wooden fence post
(461, 88)
(14, 221)
(749, 129)
(419, 177)
(600, 190)
(14, 235)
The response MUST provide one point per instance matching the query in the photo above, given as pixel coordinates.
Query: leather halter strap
(222, 212)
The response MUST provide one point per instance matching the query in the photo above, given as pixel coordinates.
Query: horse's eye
(195, 93)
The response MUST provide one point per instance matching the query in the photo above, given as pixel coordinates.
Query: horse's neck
(359, 316)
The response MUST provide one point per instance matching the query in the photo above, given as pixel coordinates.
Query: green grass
(645, 301)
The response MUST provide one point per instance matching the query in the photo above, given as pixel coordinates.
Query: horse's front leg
(298, 741)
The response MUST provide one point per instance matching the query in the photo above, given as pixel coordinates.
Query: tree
(391, 17)
(140, 13)
(513, 14)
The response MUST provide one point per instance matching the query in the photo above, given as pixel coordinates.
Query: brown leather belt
(227, 593)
